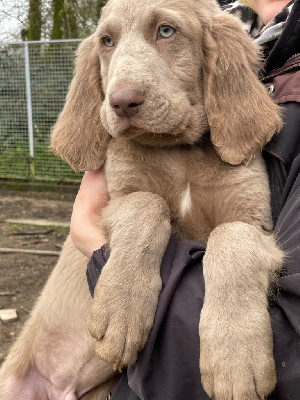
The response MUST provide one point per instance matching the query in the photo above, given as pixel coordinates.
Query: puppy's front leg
(126, 295)
(236, 358)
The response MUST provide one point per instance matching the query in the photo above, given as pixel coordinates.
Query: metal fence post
(34, 81)
(29, 109)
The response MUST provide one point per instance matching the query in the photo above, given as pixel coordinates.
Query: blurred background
(38, 41)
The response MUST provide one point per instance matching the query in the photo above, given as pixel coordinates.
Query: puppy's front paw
(236, 359)
(122, 316)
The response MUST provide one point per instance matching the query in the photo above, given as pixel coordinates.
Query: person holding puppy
(167, 367)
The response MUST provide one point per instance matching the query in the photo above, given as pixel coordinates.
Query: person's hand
(91, 198)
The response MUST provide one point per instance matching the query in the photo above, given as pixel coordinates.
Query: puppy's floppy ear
(78, 135)
(241, 115)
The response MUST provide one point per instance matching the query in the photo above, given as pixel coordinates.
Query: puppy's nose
(126, 103)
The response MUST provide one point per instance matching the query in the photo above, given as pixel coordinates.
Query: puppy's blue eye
(166, 31)
(107, 40)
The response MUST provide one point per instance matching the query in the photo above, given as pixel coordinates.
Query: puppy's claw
(97, 326)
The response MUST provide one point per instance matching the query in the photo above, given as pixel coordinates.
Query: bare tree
(58, 19)
(48, 19)
(75, 18)
(13, 17)
(34, 30)
(71, 7)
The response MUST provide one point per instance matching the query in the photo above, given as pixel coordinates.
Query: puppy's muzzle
(126, 103)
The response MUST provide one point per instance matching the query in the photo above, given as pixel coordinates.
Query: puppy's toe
(97, 323)
(206, 370)
(111, 347)
(135, 341)
(246, 394)
(207, 381)
(264, 376)
(244, 386)
(108, 352)
(223, 388)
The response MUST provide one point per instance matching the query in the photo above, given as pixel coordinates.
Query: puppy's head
(164, 72)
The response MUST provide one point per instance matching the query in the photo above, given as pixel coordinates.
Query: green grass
(15, 162)
(59, 230)
(15, 228)
(2, 358)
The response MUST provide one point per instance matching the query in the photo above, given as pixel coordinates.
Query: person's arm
(91, 198)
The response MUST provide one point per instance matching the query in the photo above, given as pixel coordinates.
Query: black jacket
(281, 75)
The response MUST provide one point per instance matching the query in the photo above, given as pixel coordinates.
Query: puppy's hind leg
(53, 358)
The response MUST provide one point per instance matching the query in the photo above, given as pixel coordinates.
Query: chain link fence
(34, 79)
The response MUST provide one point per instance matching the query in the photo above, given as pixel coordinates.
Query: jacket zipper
(294, 56)
(283, 70)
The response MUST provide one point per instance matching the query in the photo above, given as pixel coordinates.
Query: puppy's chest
(189, 180)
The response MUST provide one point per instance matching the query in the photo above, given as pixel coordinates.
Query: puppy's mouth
(162, 120)
(137, 126)
(132, 131)
(158, 122)
(146, 134)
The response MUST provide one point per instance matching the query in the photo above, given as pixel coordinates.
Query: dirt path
(22, 276)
